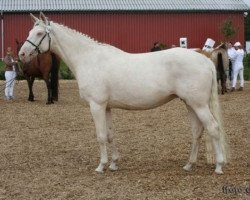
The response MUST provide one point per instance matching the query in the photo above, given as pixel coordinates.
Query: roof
(122, 5)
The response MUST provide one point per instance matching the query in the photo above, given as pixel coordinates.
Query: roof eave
(130, 10)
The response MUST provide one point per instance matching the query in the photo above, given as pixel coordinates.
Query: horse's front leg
(115, 155)
(98, 112)
(30, 80)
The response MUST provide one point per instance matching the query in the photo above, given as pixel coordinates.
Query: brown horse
(45, 66)
(220, 59)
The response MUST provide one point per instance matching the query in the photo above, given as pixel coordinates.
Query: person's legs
(241, 78)
(12, 84)
(7, 84)
(235, 75)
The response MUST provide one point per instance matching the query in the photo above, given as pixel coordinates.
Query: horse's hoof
(100, 168)
(188, 167)
(113, 167)
(219, 172)
(218, 169)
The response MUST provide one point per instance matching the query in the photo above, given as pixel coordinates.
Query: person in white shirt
(230, 51)
(237, 58)
(10, 73)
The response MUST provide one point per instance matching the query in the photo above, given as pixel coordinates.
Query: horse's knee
(102, 139)
(214, 131)
(110, 136)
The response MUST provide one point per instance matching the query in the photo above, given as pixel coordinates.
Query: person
(10, 73)
(237, 58)
(156, 47)
(230, 51)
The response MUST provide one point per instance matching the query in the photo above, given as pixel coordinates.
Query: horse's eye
(39, 34)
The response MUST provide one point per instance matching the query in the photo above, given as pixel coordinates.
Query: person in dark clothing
(156, 47)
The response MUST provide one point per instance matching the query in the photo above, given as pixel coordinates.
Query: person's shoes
(232, 89)
(7, 98)
(240, 89)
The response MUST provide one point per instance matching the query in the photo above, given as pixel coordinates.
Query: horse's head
(38, 40)
(18, 45)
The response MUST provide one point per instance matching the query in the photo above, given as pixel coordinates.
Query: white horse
(111, 78)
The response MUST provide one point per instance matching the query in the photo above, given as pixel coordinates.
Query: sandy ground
(51, 152)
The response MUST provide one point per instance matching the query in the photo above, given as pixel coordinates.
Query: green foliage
(65, 73)
(247, 73)
(247, 28)
(247, 67)
(228, 29)
(1, 70)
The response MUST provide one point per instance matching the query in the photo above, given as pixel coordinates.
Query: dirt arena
(51, 152)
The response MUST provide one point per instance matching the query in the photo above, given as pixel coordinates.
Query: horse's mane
(79, 34)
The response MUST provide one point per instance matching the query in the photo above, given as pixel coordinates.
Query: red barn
(132, 25)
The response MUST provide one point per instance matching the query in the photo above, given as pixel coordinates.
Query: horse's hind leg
(197, 129)
(98, 112)
(48, 84)
(30, 81)
(212, 127)
(224, 84)
(115, 155)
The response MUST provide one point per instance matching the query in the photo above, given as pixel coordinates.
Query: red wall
(132, 32)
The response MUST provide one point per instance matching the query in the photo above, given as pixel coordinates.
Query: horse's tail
(215, 110)
(54, 76)
(220, 67)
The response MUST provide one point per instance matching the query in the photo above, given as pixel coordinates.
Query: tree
(228, 29)
(247, 27)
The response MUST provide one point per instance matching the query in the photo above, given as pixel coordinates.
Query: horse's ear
(43, 18)
(34, 19)
(17, 41)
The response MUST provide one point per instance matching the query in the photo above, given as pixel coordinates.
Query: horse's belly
(139, 103)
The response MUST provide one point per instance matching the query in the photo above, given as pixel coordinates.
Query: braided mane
(79, 34)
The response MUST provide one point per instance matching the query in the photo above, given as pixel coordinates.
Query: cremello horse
(111, 78)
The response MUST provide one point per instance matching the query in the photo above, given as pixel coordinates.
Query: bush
(247, 73)
(64, 72)
(247, 67)
(1, 70)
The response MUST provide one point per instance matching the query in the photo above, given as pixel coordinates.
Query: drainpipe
(2, 36)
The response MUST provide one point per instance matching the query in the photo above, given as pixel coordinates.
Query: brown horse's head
(19, 45)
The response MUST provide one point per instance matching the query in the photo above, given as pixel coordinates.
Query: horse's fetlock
(102, 139)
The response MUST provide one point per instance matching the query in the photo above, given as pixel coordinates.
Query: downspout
(2, 36)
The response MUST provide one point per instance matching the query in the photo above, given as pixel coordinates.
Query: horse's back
(148, 80)
(41, 65)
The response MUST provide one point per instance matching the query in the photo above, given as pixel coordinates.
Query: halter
(37, 46)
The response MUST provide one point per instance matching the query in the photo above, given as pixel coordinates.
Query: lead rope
(3, 86)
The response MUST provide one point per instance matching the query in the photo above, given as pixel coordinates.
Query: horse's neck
(67, 44)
